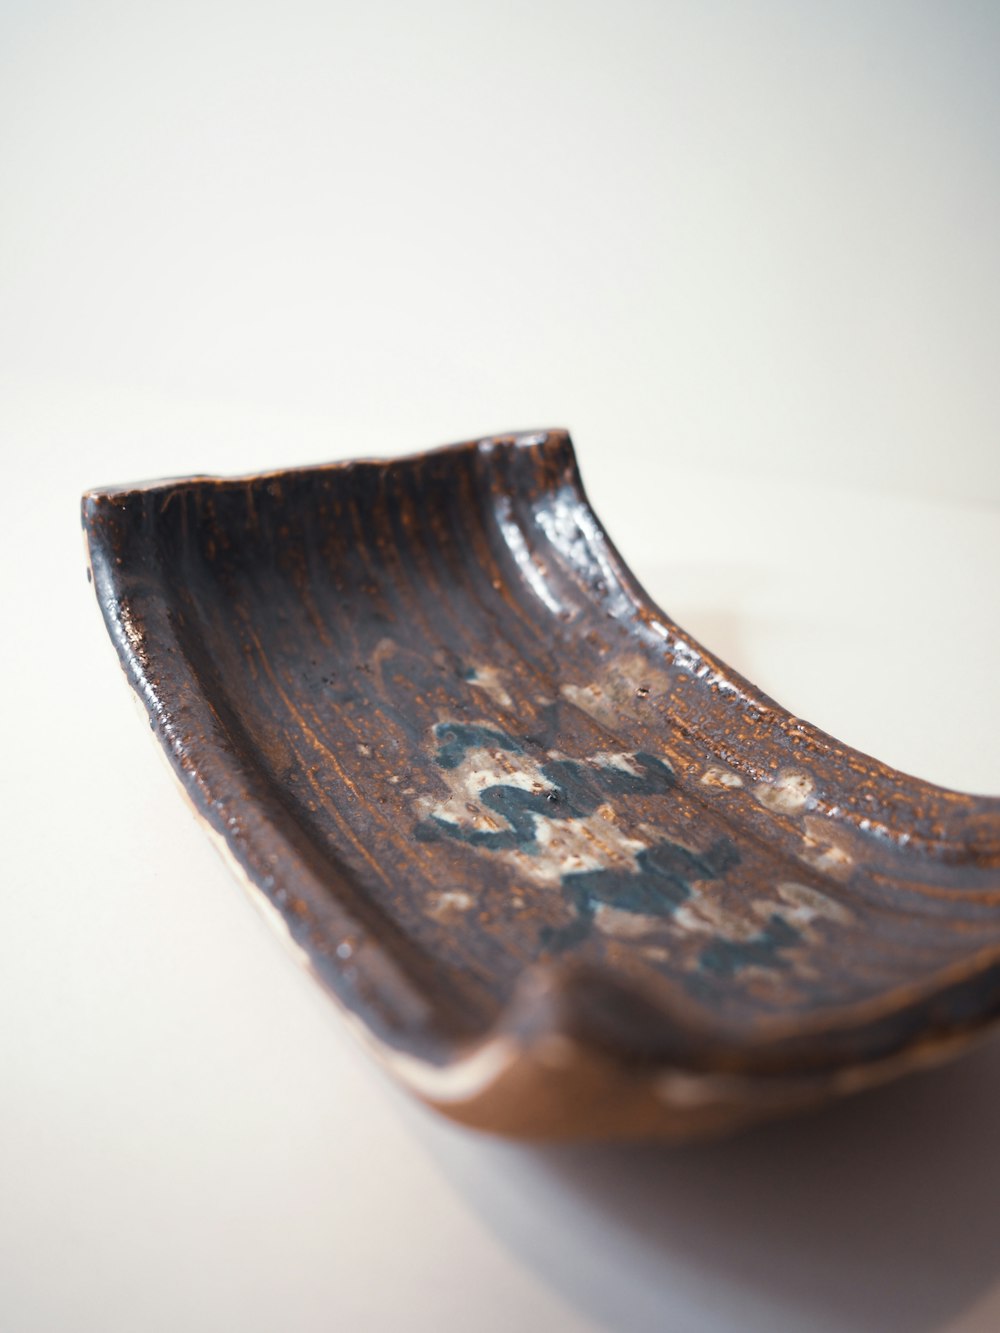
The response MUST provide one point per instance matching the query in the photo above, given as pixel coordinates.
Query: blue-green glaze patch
(456, 738)
(724, 958)
(663, 873)
(575, 790)
(659, 884)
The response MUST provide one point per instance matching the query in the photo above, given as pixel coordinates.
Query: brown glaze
(570, 873)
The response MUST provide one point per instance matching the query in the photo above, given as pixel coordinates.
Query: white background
(747, 252)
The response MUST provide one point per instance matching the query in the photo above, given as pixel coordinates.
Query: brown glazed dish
(570, 875)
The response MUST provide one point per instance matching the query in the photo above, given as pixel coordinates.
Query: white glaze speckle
(488, 679)
(824, 848)
(805, 904)
(628, 688)
(716, 776)
(450, 903)
(787, 794)
(624, 925)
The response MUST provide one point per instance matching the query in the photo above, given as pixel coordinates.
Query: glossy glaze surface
(571, 873)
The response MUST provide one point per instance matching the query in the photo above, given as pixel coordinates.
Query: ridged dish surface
(570, 874)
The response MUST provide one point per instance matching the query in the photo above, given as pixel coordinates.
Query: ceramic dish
(569, 873)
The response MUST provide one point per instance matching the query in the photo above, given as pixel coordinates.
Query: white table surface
(244, 236)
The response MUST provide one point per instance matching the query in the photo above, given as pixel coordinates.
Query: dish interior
(479, 733)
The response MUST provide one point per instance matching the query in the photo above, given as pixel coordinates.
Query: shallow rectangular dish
(569, 874)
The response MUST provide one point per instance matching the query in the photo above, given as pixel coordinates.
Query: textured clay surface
(517, 821)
